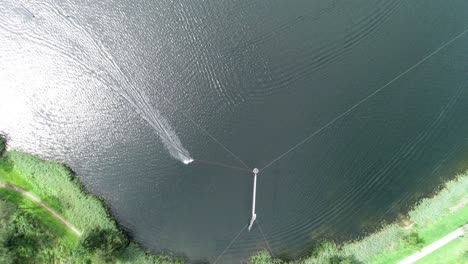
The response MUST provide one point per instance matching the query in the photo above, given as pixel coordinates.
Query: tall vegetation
(264, 257)
(24, 239)
(431, 219)
(2, 144)
(59, 188)
(30, 234)
(6, 210)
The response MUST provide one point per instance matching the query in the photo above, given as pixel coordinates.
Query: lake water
(79, 81)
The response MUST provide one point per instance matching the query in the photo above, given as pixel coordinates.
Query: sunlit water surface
(104, 86)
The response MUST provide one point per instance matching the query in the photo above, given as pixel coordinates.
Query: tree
(2, 144)
(104, 243)
(29, 237)
(6, 209)
(325, 249)
(5, 255)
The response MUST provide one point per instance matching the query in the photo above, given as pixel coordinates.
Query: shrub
(263, 257)
(102, 241)
(29, 238)
(105, 243)
(6, 209)
(2, 144)
(325, 249)
(57, 186)
(342, 260)
(135, 253)
(413, 240)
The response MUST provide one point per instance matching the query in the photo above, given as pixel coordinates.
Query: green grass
(57, 186)
(431, 220)
(454, 252)
(41, 214)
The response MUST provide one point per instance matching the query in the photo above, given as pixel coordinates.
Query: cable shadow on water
(97, 60)
(364, 100)
(204, 130)
(230, 244)
(264, 238)
(214, 163)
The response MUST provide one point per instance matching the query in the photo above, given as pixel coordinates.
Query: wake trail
(93, 59)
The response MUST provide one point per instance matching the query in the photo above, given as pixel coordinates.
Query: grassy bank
(57, 186)
(23, 239)
(430, 220)
(30, 234)
(43, 216)
(454, 252)
(102, 241)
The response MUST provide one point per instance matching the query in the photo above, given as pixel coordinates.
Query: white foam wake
(89, 56)
(141, 104)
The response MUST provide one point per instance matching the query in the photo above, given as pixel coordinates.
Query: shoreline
(57, 195)
(429, 220)
(446, 210)
(41, 203)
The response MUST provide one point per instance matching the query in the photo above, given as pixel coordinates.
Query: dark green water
(93, 84)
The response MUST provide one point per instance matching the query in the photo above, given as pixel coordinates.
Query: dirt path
(41, 203)
(432, 247)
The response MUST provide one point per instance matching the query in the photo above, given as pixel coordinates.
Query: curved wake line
(94, 58)
(140, 103)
